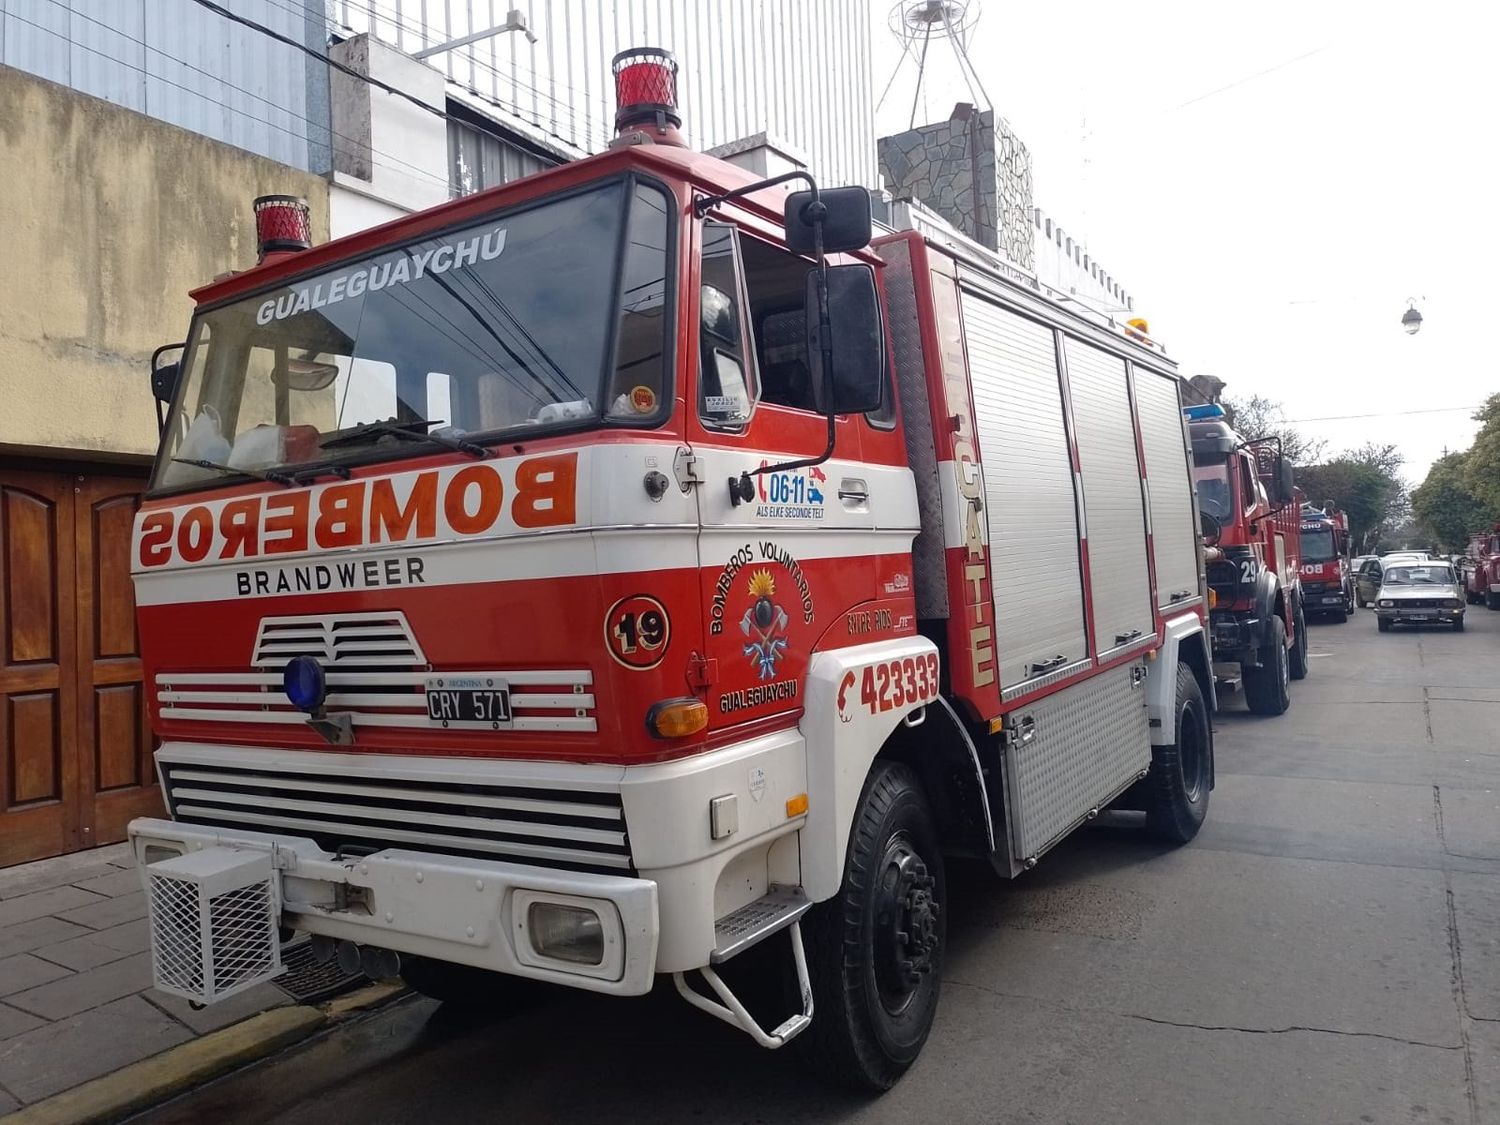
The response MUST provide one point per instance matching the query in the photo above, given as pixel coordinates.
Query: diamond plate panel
(928, 572)
(1089, 742)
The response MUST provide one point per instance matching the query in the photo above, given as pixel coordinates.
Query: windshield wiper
(415, 430)
(231, 471)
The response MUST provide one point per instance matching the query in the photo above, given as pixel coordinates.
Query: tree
(1445, 507)
(1481, 464)
(1366, 483)
(1259, 417)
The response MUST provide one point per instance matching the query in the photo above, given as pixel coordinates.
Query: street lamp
(1411, 319)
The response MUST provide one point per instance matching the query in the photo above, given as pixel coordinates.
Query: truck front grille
(359, 807)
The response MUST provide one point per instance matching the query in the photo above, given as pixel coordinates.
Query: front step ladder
(778, 909)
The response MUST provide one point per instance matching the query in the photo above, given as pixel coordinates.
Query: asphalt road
(1327, 950)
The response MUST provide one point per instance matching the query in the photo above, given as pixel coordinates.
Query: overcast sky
(1272, 182)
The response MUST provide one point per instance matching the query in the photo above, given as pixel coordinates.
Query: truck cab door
(785, 563)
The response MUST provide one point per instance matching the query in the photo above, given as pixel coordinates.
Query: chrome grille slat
(367, 805)
(579, 809)
(366, 718)
(378, 812)
(338, 678)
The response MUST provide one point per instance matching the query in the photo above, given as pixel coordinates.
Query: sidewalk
(76, 1000)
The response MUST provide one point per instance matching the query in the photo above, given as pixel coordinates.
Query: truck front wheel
(1176, 789)
(875, 950)
(1267, 687)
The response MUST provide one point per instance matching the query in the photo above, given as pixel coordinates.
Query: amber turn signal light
(677, 718)
(796, 806)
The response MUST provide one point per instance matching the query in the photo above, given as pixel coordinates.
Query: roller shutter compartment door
(1174, 535)
(1113, 499)
(1030, 506)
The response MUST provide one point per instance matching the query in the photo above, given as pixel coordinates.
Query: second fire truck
(1251, 512)
(1327, 581)
(588, 579)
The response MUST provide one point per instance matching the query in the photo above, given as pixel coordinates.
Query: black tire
(875, 950)
(1177, 788)
(470, 989)
(1491, 600)
(1297, 658)
(1383, 624)
(1458, 624)
(1359, 601)
(1267, 688)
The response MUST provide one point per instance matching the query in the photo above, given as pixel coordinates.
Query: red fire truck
(1251, 512)
(593, 577)
(1327, 582)
(1482, 570)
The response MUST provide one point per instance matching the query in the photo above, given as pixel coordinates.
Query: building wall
(180, 63)
(108, 218)
(797, 70)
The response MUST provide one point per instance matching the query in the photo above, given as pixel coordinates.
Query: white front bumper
(451, 908)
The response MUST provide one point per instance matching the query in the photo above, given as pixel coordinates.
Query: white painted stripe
(414, 701)
(381, 679)
(365, 719)
(633, 550)
(430, 839)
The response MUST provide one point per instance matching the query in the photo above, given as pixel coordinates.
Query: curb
(154, 1080)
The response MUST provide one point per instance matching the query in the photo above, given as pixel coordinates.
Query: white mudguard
(855, 697)
(1161, 676)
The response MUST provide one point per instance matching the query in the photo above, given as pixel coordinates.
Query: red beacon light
(646, 96)
(283, 224)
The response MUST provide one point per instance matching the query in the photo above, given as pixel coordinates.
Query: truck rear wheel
(1491, 600)
(1297, 658)
(1177, 788)
(1267, 690)
(875, 950)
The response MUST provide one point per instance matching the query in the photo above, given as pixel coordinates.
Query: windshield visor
(545, 317)
(1215, 492)
(1317, 545)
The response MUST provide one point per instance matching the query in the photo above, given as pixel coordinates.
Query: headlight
(1386, 603)
(566, 933)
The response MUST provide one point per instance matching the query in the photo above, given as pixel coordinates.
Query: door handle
(1179, 595)
(853, 491)
(1126, 638)
(1047, 665)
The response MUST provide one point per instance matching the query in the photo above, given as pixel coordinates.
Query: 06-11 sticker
(636, 631)
(890, 684)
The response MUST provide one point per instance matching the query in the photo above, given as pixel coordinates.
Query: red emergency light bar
(645, 89)
(282, 223)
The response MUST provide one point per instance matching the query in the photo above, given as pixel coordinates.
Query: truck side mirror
(1284, 482)
(164, 380)
(858, 337)
(846, 220)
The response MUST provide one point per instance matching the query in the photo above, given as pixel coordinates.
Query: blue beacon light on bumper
(1204, 410)
(305, 683)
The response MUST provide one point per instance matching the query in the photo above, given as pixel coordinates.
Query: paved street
(76, 999)
(1328, 950)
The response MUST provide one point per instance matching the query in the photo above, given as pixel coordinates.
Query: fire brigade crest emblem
(764, 626)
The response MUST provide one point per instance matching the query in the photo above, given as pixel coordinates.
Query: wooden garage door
(75, 751)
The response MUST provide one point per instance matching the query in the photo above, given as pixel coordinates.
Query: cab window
(725, 382)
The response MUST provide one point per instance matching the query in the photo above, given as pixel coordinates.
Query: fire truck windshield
(1317, 544)
(548, 316)
(1215, 493)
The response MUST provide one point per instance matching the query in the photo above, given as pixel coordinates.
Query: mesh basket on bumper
(213, 923)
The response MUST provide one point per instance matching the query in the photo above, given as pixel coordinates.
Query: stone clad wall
(973, 171)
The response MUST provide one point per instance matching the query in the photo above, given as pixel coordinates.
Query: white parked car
(1419, 593)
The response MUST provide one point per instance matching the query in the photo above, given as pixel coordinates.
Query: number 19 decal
(636, 631)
